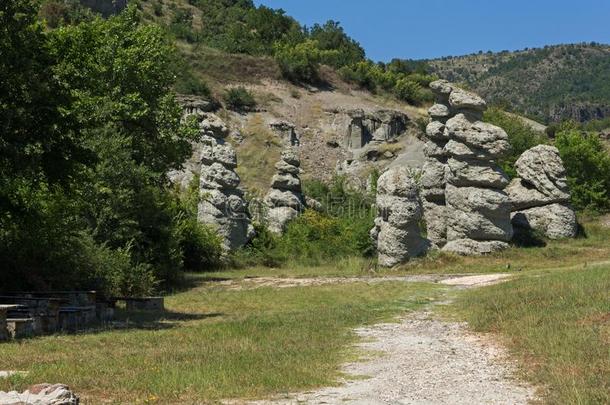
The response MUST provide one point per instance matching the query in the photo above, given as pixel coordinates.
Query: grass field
(215, 344)
(557, 324)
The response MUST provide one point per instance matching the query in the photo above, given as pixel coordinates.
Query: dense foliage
(340, 230)
(90, 129)
(407, 80)
(587, 163)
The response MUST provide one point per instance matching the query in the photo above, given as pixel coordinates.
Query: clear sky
(416, 29)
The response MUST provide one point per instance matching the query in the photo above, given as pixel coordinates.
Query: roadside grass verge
(214, 343)
(558, 326)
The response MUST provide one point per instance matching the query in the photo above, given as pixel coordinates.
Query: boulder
(435, 131)
(460, 99)
(555, 221)
(221, 153)
(439, 112)
(477, 213)
(40, 394)
(479, 136)
(469, 247)
(278, 218)
(523, 195)
(396, 232)
(540, 198)
(542, 167)
(212, 125)
(433, 149)
(474, 173)
(286, 182)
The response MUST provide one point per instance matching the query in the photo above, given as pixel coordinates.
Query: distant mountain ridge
(550, 84)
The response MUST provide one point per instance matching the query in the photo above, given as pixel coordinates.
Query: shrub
(300, 62)
(587, 164)
(408, 90)
(239, 99)
(188, 83)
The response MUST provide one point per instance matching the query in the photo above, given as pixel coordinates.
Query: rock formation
(477, 210)
(433, 171)
(41, 394)
(285, 200)
(222, 203)
(540, 196)
(399, 211)
(286, 132)
(378, 126)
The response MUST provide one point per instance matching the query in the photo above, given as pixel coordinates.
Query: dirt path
(278, 282)
(423, 360)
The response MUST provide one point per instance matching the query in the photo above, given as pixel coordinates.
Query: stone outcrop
(396, 232)
(433, 171)
(41, 394)
(379, 126)
(540, 195)
(285, 200)
(222, 203)
(286, 131)
(466, 208)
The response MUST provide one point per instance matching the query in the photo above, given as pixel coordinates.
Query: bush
(239, 99)
(408, 91)
(300, 62)
(188, 83)
(587, 164)
(340, 231)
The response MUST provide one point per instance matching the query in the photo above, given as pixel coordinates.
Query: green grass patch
(216, 343)
(558, 325)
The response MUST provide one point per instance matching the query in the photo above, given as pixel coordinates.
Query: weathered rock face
(399, 211)
(222, 203)
(286, 132)
(285, 200)
(380, 126)
(540, 196)
(466, 209)
(41, 394)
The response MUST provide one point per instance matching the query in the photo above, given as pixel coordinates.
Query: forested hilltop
(551, 83)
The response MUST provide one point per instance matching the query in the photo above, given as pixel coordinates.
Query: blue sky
(430, 28)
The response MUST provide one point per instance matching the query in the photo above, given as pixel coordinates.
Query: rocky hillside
(551, 83)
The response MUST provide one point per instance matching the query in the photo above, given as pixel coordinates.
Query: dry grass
(558, 326)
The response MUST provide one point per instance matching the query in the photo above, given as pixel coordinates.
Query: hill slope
(551, 83)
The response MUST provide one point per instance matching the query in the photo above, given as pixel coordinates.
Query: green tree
(39, 139)
(332, 37)
(587, 165)
(120, 74)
